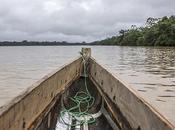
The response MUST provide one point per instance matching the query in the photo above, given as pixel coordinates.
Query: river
(149, 70)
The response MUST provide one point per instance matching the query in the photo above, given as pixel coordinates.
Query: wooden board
(23, 110)
(139, 114)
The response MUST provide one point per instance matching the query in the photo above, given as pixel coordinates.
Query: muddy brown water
(149, 70)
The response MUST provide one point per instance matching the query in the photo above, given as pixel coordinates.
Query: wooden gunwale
(104, 79)
(130, 89)
(8, 113)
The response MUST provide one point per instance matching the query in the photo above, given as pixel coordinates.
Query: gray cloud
(75, 20)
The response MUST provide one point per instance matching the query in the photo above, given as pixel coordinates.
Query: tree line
(39, 43)
(156, 32)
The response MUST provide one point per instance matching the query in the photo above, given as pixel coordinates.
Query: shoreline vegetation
(156, 32)
(39, 43)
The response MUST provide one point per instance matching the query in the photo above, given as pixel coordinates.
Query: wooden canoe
(39, 107)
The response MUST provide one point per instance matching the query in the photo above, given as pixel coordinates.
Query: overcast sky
(75, 20)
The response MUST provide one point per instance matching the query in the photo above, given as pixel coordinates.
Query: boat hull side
(20, 113)
(139, 114)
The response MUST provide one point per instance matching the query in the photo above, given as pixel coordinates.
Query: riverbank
(156, 32)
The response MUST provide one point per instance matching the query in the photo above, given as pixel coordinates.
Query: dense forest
(156, 32)
(39, 43)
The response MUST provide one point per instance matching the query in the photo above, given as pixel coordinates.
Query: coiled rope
(80, 98)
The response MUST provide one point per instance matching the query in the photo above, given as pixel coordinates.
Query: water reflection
(160, 61)
(150, 70)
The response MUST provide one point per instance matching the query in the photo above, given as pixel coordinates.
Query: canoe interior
(55, 120)
(39, 107)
